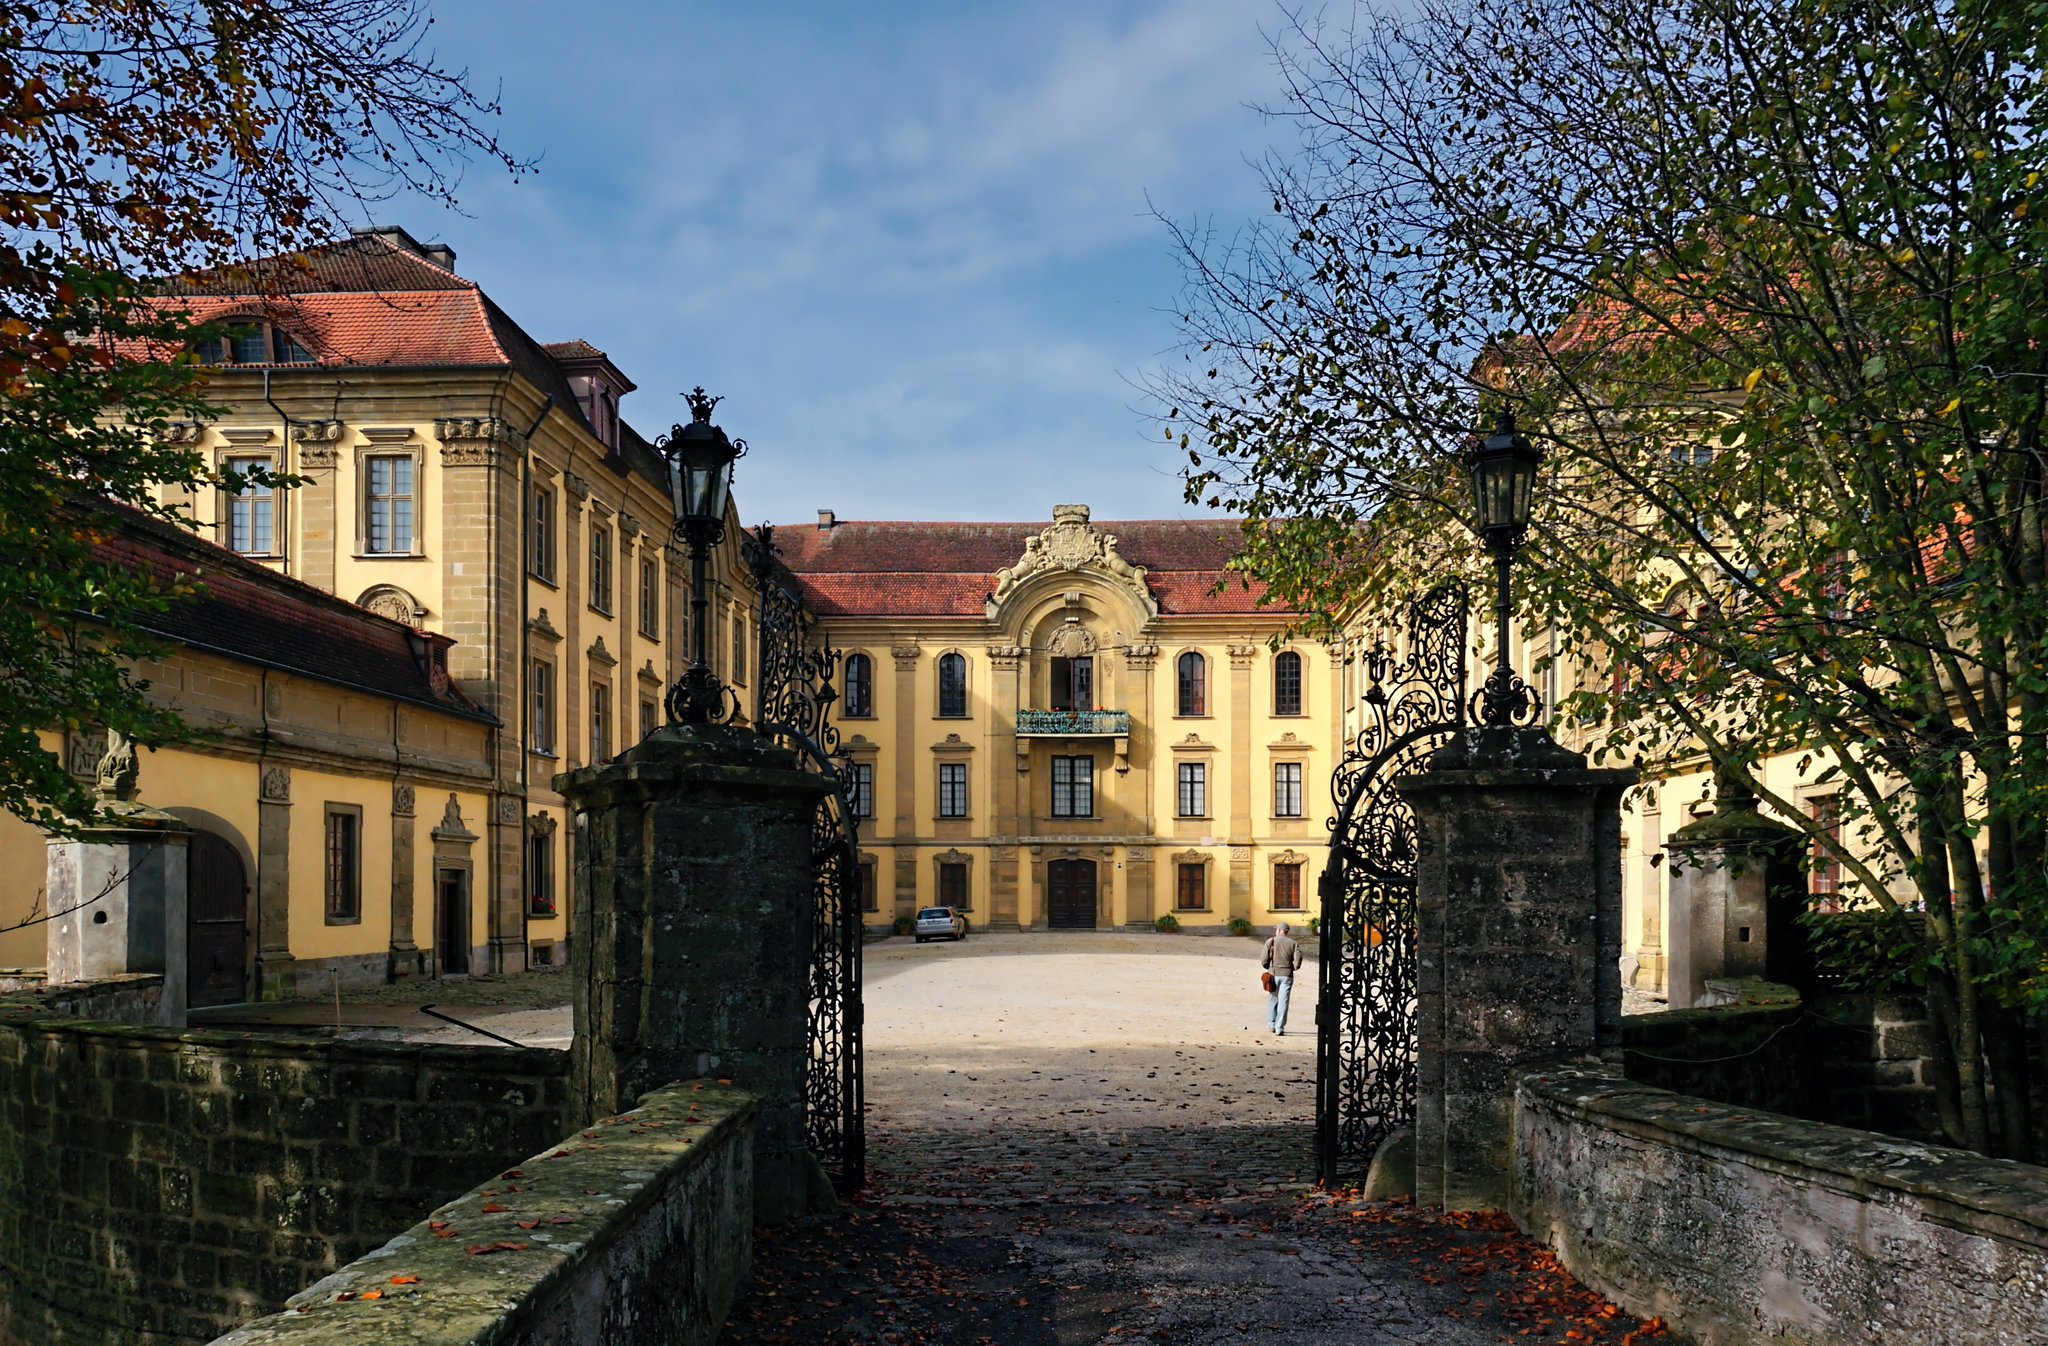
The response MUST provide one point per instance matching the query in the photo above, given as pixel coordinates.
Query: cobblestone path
(1082, 1141)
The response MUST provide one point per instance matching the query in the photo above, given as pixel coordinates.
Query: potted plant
(904, 925)
(1240, 926)
(1168, 924)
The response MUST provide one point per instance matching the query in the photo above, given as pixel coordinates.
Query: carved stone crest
(401, 800)
(277, 785)
(1071, 641)
(451, 817)
(508, 810)
(1071, 545)
(388, 600)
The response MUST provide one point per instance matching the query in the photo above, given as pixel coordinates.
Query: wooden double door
(1070, 894)
(216, 923)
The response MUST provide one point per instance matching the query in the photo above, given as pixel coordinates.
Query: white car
(940, 923)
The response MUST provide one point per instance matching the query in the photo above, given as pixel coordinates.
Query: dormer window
(254, 343)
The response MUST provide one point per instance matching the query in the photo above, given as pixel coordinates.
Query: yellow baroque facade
(1072, 725)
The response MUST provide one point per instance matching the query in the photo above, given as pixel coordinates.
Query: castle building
(1073, 725)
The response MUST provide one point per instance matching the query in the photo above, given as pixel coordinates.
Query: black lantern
(700, 460)
(1503, 468)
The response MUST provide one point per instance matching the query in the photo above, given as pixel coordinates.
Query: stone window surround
(546, 571)
(249, 445)
(542, 827)
(1303, 713)
(1273, 864)
(966, 684)
(870, 713)
(330, 811)
(953, 752)
(1182, 859)
(1185, 751)
(952, 857)
(384, 444)
(1207, 690)
(599, 527)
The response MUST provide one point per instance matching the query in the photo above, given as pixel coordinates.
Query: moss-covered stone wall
(160, 1186)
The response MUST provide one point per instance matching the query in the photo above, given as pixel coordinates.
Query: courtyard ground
(1089, 1139)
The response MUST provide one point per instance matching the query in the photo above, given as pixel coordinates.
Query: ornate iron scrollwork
(793, 702)
(1365, 1016)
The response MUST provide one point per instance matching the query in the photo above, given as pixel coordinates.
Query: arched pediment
(1056, 554)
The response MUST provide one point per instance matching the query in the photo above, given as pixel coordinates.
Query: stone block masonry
(634, 1232)
(1741, 1227)
(159, 1186)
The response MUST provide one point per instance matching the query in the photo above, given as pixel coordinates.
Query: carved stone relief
(389, 600)
(402, 800)
(1071, 641)
(277, 785)
(1071, 545)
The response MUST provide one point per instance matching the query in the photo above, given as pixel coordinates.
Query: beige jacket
(1283, 956)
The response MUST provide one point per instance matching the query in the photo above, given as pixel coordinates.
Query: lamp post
(700, 461)
(1503, 468)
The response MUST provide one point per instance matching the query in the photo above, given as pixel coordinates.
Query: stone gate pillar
(693, 894)
(1518, 898)
(1737, 887)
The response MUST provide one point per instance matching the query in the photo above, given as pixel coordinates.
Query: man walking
(1283, 956)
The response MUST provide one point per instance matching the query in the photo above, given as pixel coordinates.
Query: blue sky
(907, 242)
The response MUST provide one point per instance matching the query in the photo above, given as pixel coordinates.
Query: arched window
(1287, 683)
(254, 343)
(1194, 684)
(860, 686)
(953, 685)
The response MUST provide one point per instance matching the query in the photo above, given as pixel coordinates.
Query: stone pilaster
(1518, 888)
(1243, 655)
(693, 877)
(404, 958)
(275, 979)
(319, 511)
(904, 830)
(1007, 780)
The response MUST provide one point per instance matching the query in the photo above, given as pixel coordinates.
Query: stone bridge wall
(1740, 1227)
(160, 1186)
(636, 1231)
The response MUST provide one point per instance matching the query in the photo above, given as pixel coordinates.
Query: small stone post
(116, 894)
(693, 895)
(1736, 891)
(1518, 889)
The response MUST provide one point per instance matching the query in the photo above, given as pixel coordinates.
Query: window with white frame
(1194, 790)
(388, 504)
(650, 600)
(251, 508)
(541, 735)
(952, 789)
(601, 569)
(1286, 789)
(863, 789)
(600, 722)
(1073, 787)
(1287, 683)
(541, 561)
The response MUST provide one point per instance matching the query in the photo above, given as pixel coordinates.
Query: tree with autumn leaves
(141, 140)
(1767, 282)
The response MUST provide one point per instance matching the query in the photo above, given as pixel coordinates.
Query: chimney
(439, 253)
(825, 519)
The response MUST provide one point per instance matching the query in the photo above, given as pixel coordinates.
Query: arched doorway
(216, 923)
(1070, 894)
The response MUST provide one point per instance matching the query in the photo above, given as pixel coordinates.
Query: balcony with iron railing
(1073, 723)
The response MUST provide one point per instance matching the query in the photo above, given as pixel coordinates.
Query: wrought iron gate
(1365, 1006)
(792, 705)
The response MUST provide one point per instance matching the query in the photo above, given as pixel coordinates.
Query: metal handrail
(1074, 722)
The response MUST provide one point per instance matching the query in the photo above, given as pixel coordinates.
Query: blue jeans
(1276, 1006)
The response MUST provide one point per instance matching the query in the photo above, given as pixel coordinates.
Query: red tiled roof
(903, 569)
(254, 614)
(579, 349)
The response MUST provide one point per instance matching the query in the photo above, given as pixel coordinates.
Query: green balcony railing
(1074, 723)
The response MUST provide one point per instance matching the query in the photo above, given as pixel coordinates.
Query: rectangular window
(953, 886)
(952, 789)
(1826, 880)
(541, 559)
(1193, 891)
(1073, 684)
(1073, 787)
(1286, 789)
(250, 510)
(739, 646)
(540, 874)
(542, 738)
(863, 789)
(649, 717)
(388, 504)
(650, 600)
(1194, 790)
(601, 569)
(870, 892)
(344, 863)
(1287, 887)
(600, 723)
